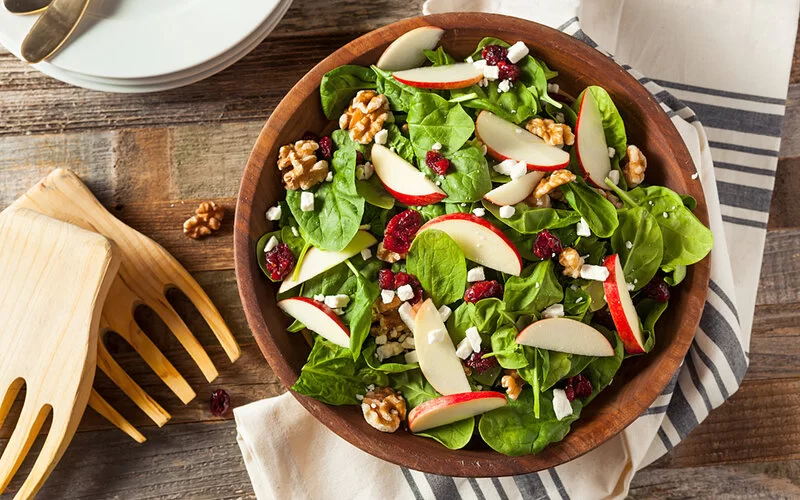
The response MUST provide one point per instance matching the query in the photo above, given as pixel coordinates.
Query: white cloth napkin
(723, 64)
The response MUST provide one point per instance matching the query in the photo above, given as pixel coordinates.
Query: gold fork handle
(52, 29)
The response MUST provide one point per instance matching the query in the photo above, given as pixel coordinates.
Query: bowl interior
(639, 381)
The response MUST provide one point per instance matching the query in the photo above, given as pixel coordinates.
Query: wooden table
(152, 158)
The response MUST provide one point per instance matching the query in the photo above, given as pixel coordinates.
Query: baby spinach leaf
(284, 235)
(433, 211)
(613, 126)
(339, 85)
(439, 57)
(331, 376)
(432, 119)
(649, 311)
(515, 105)
(358, 314)
(374, 193)
(439, 264)
(377, 218)
(599, 213)
(341, 139)
(400, 143)
(453, 436)
(601, 370)
(391, 367)
(675, 277)
(593, 248)
(638, 242)
(576, 302)
(400, 95)
(535, 289)
(337, 214)
(529, 220)
(509, 354)
(689, 202)
(468, 177)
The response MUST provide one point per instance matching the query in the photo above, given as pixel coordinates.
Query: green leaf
(638, 242)
(338, 207)
(576, 302)
(528, 220)
(559, 367)
(453, 436)
(390, 367)
(515, 105)
(374, 193)
(283, 235)
(613, 126)
(649, 311)
(432, 119)
(339, 85)
(601, 370)
(400, 95)
(598, 212)
(358, 314)
(468, 177)
(509, 354)
(534, 290)
(676, 276)
(439, 264)
(439, 57)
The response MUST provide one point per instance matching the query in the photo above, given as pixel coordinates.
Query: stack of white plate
(151, 45)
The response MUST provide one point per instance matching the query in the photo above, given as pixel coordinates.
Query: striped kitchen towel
(720, 70)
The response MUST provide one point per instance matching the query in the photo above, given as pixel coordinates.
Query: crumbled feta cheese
(553, 88)
(474, 338)
(484, 82)
(479, 64)
(339, 311)
(388, 350)
(516, 52)
(360, 397)
(319, 297)
(438, 183)
(436, 335)
(491, 72)
(464, 349)
(294, 232)
(695, 175)
(408, 342)
(412, 357)
(518, 170)
(666, 215)
(445, 312)
(329, 177)
(628, 245)
(504, 167)
(407, 314)
(381, 136)
(370, 387)
(365, 171)
(582, 228)
(476, 274)
(405, 292)
(479, 212)
(436, 146)
(381, 339)
(631, 287)
(274, 213)
(307, 201)
(337, 301)
(561, 405)
(366, 254)
(387, 296)
(504, 86)
(560, 117)
(613, 176)
(470, 59)
(596, 273)
(507, 211)
(272, 243)
(611, 152)
(554, 311)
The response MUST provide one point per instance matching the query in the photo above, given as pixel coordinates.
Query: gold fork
(146, 272)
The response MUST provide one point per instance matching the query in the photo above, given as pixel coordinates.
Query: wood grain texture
(780, 269)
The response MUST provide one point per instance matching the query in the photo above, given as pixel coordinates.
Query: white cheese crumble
(436, 335)
(366, 254)
(582, 228)
(319, 297)
(360, 397)
(272, 243)
(445, 312)
(274, 213)
(464, 349)
(476, 274)
(479, 64)
(504, 167)
(518, 170)
(387, 296)
(631, 287)
(611, 152)
(388, 350)
(484, 82)
(491, 72)
(407, 315)
(479, 212)
(561, 405)
(412, 357)
(339, 311)
(474, 338)
(628, 245)
(553, 88)
(337, 301)
(596, 273)
(365, 171)
(470, 59)
(614, 176)
(405, 292)
(381, 339)
(503, 86)
(329, 177)
(507, 211)
(307, 201)
(516, 52)
(695, 175)
(554, 311)
(382, 136)
(436, 146)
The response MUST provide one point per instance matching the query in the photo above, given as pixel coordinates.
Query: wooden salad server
(146, 272)
(54, 279)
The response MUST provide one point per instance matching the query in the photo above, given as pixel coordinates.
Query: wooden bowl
(639, 381)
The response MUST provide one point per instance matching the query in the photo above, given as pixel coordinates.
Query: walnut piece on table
(572, 262)
(384, 409)
(554, 134)
(299, 165)
(365, 116)
(513, 383)
(633, 169)
(206, 220)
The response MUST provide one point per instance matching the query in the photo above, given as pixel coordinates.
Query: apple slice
(516, 190)
(438, 360)
(402, 180)
(452, 408)
(317, 261)
(318, 318)
(449, 76)
(406, 51)
(565, 335)
(505, 141)
(621, 306)
(590, 142)
(480, 241)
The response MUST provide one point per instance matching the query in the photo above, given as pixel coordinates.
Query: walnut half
(634, 169)
(572, 262)
(299, 165)
(365, 116)
(206, 219)
(384, 409)
(513, 383)
(554, 134)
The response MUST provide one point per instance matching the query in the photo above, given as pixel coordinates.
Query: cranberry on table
(436, 162)
(279, 261)
(547, 245)
(400, 231)
(493, 54)
(220, 402)
(656, 289)
(477, 362)
(508, 71)
(483, 290)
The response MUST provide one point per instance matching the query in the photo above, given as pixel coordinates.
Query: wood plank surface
(151, 158)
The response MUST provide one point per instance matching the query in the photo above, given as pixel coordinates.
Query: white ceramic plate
(133, 39)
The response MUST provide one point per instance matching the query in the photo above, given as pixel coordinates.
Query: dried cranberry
(220, 403)
(400, 231)
(477, 362)
(546, 245)
(310, 136)
(508, 71)
(436, 162)
(386, 279)
(603, 318)
(657, 289)
(326, 147)
(401, 279)
(580, 385)
(280, 261)
(570, 392)
(483, 290)
(493, 54)
(359, 158)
